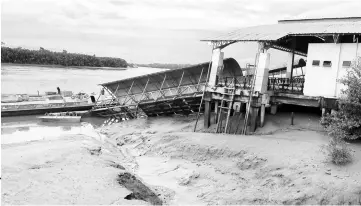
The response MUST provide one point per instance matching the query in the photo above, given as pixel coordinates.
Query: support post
(217, 64)
(274, 108)
(243, 107)
(261, 81)
(263, 111)
(216, 110)
(207, 116)
(324, 112)
(291, 59)
(253, 119)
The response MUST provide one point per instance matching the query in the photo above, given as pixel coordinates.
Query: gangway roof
(275, 32)
(171, 80)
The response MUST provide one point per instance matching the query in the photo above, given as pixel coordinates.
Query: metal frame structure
(169, 92)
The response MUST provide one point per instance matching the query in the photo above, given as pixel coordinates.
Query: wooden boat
(60, 117)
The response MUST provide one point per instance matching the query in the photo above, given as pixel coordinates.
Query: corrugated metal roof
(276, 31)
(341, 10)
(196, 66)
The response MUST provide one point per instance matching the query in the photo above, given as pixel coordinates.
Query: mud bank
(161, 161)
(74, 169)
(279, 165)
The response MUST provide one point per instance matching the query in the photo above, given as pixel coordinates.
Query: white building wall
(320, 80)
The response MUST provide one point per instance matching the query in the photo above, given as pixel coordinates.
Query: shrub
(346, 123)
(338, 152)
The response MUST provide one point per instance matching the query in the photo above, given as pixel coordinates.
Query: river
(31, 79)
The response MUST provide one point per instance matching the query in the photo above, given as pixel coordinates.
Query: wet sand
(160, 160)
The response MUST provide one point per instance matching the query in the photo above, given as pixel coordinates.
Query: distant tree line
(165, 66)
(46, 57)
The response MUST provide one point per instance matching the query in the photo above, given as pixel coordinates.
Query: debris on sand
(97, 151)
(187, 179)
(138, 189)
(116, 165)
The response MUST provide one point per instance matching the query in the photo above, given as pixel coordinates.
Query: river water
(31, 79)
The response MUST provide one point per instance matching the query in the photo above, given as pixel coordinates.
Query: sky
(149, 31)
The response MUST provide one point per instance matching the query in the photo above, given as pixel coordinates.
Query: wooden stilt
(216, 111)
(238, 122)
(263, 111)
(219, 124)
(243, 107)
(207, 116)
(253, 118)
(274, 109)
(230, 105)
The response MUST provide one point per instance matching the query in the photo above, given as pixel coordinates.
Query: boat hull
(60, 118)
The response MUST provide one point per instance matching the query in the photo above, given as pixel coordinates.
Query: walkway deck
(176, 91)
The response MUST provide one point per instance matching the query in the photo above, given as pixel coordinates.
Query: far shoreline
(65, 67)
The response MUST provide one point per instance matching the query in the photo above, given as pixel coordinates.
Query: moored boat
(60, 117)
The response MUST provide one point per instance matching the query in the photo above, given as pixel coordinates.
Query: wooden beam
(278, 47)
(253, 119)
(109, 92)
(263, 112)
(200, 78)
(207, 116)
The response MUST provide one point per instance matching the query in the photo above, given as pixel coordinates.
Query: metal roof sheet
(274, 32)
(196, 66)
(341, 10)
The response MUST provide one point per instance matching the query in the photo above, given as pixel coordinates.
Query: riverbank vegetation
(45, 57)
(165, 66)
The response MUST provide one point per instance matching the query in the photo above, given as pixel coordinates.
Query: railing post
(131, 86)
(161, 86)
(140, 99)
(180, 82)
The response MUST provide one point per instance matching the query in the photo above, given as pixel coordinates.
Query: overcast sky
(146, 31)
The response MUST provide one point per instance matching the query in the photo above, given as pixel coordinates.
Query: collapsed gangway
(177, 91)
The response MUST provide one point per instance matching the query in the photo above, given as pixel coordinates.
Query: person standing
(58, 90)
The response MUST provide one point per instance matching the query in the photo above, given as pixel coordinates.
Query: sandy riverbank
(172, 165)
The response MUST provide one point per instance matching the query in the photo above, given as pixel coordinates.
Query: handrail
(294, 85)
